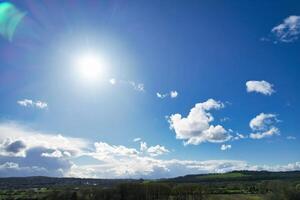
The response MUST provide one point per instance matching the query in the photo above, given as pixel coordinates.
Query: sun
(90, 67)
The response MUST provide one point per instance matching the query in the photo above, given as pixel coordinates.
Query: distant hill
(40, 181)
(237, 176)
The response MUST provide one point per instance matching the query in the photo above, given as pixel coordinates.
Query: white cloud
(25, 102)
(291, 137)
(145, 167)
(157, 150)
(41, 105)
(288, 31)
(173, 94)
(52, 155)
(196, 128)
(262, 121)
(143, 146)
(264, 126)
(268, 133)
(224, 119)
(153, 150)
(137, 86)
(225, 147)
(112, 81)
(239, 136)
(161, 96)
(12, 132)
(262, 87)
(137, 139)
(30, 103)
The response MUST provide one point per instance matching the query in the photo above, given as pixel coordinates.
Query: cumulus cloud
(262, 87)
(25, 152)
(172, 94)
(16, 137)
(12, 148)
(30, 103)
(225, 147)
(153, 150)
(264, 126)
(53, 155)
(157, 150)
(56, 154)
(33, 164)
(146, 167)
(196, 128)
(288, 30)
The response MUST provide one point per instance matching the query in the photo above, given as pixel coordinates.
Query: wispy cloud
(225, 147)
(30, 103)
(137, 139)
(288, 30)
(112, 81)
(135, 85)
(262, 87)
(291, 137)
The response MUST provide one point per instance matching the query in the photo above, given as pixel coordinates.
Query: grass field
(235, 197)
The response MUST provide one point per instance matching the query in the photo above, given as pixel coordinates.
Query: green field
(238, 185)
(236, 197)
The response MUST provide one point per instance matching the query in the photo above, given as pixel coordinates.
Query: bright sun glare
(90, 67)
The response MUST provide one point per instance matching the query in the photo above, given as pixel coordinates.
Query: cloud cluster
(262, 87)
(31, 103)
(54, 155)
(196, 128)
(288, 30)
(16, 139)
(172, 94)
(264, 126)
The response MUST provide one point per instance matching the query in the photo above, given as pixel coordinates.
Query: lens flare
(10, 18)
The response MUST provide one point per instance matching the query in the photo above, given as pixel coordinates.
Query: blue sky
(148, 88)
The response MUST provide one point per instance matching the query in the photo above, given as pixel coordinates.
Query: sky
(148, 89)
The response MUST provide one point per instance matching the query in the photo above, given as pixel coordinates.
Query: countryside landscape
(149, 99)
(248, 185)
